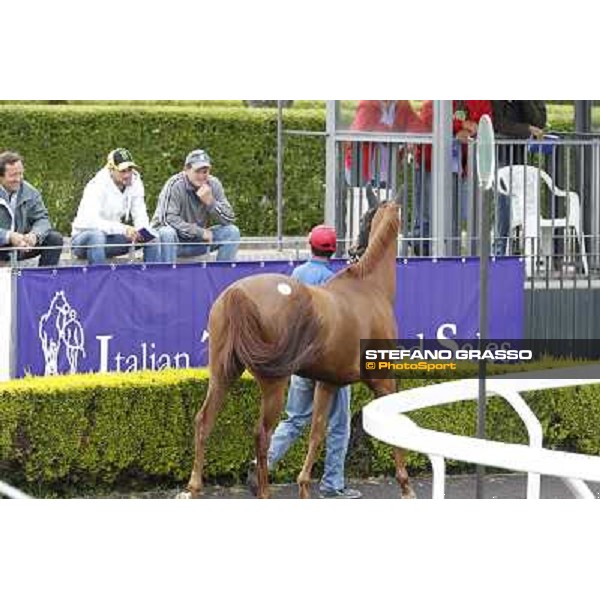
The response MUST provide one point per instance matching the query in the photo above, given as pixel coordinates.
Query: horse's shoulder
(351, 273)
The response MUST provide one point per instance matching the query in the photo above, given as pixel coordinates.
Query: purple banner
(440, 298)
(136, 317)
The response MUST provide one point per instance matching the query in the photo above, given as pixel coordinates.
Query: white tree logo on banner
(57, 328)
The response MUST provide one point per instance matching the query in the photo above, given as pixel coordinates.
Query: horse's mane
(386, 231)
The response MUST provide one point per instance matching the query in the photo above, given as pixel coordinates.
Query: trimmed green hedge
(64, 146)
(70, 435)
(193, 103)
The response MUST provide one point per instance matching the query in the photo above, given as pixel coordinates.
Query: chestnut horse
(275, 326)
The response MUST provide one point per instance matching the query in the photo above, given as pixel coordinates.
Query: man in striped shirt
(188, 202)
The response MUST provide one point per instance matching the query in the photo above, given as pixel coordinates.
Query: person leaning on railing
(465, 120)
(24, 221)
(188, 202)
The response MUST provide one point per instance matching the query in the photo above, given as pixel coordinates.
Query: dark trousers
(49, 256)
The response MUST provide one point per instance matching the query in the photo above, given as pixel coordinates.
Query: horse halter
(360, 247)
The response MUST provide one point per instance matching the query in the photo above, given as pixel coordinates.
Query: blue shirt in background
(313, 272)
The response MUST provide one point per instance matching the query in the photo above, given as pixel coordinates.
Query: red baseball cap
(323, 237)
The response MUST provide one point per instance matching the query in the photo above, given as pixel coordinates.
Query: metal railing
(385, 420)
(553, 249)
(8, 491)
(288, 248)
(546, 202)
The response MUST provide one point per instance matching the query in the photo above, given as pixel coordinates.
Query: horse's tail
(247, 343)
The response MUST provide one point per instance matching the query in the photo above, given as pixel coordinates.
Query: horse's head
(60, 302)
(370, 221)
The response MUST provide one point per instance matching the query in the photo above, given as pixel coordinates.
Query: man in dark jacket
(24, 222)
(519, 118)
(514, 119)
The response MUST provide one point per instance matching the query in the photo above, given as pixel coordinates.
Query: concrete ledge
(251, 249)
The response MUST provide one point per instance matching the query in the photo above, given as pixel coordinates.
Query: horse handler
(316, 271)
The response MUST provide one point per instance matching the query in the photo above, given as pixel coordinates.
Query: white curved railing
(383, 418)
(11, 492)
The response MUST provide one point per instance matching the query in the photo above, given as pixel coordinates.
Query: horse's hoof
(409, 494)
(184, 496)
(304, 492)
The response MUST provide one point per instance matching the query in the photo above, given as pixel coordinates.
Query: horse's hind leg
(321, 406)
(204, 422)
(402, 474)
(383, 387)
(273, 398)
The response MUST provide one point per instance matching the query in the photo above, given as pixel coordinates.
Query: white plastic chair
(522, 184)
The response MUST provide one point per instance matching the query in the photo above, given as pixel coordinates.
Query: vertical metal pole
(593, 206)
(471, 204)
(584, 171)
(441, 174)
(484, 255)
(14, 343)
(330, 164)
(279, 175)
(583, 116)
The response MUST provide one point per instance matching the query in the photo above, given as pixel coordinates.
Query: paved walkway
(457, 487)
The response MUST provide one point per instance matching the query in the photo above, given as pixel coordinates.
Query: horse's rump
(265, 347)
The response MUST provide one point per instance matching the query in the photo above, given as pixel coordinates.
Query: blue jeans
(502, 225)
(299, 414)
(507, 155)
(422, 204)
(421, 210)
(221, 233)
(100, 251)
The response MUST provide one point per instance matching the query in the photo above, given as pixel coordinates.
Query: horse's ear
(371, 197)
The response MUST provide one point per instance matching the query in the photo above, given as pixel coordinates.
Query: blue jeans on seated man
(299, 414)
(172, 246)
(101, 247)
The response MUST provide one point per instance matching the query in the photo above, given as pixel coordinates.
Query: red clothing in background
(473, 111)
(369, 117)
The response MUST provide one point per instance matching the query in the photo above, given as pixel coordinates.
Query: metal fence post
(330, 163)
(279, 174)
(14, 342)
(441, 173)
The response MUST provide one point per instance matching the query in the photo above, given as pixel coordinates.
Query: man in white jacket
(111, 198)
